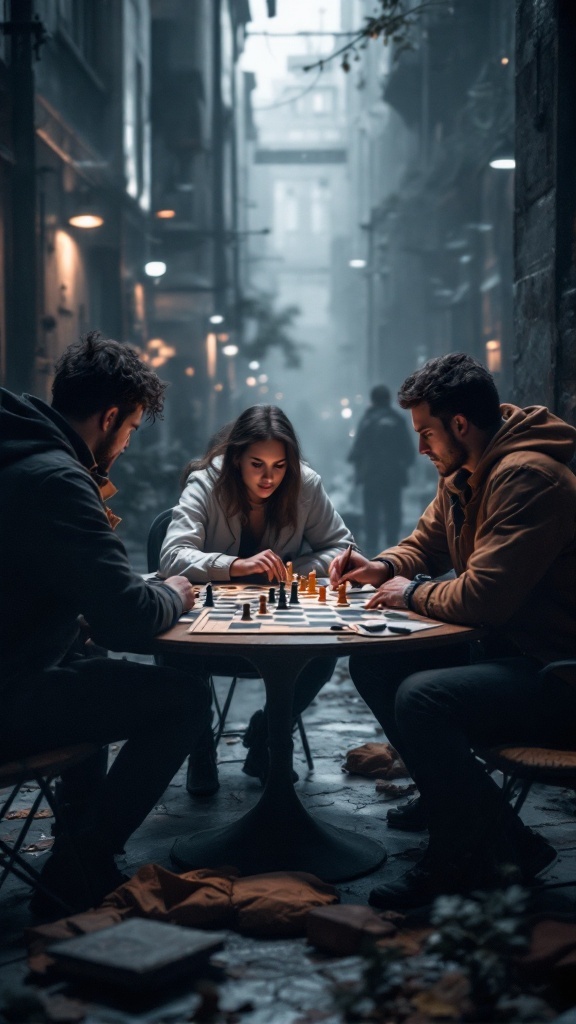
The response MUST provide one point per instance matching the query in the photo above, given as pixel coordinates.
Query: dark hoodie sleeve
(91, 568)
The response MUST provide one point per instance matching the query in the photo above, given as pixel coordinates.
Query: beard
(105, 454)
(453, 458)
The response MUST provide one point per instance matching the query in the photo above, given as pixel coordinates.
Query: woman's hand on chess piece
(359, 570)
(263, 562)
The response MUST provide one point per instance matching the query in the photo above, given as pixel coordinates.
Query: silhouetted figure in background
(382, 453)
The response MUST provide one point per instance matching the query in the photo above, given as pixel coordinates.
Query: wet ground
(282, 982)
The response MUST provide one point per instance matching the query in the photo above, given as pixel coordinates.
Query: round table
(278, 834)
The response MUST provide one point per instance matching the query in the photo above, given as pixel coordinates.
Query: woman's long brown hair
(258, 423)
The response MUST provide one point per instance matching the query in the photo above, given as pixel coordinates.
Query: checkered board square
(308, 616)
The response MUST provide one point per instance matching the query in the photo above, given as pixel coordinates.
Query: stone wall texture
(545, 213)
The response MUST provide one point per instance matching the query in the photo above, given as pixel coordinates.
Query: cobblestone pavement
(284, 981)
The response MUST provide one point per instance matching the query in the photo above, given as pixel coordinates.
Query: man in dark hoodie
(382, 454)
(60, 560)
(504, 520)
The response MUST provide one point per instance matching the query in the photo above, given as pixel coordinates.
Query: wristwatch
(412, 586)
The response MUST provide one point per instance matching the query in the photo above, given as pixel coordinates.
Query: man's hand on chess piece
(359, 570)
(184, 589)
(263, 562)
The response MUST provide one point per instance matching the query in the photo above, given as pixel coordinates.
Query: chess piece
(294, 592)
(302, 584)
(272, 596)
(208, 596)
(246, 617)
(262, 609)
(282, 602)
(289, 572)
(322, 599)
(342, 601)
(312, 582)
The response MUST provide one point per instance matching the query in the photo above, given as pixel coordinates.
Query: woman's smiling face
(262, 468)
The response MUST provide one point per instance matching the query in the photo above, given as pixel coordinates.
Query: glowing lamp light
(346, 413)
(165, 214)
(263, 378)
(503, 163)
(216, 319)
(251, 382)
(504, 61)
(279, 395)
(155, 268)
(218, 387)
(344, 401)
(155, 343)
(230, 350)
(254, 365)
(167, 351)
(357, 264)
(189, 371)
(86, 220)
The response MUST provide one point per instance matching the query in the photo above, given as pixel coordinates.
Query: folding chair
(522, 766)
(42, 769)
(156, 535)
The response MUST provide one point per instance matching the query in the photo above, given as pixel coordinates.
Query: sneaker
(257, 763)
(76, 877)
(202, 772)
(409, 817)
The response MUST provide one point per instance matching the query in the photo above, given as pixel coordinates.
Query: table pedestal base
(281, 838)
(279, 834)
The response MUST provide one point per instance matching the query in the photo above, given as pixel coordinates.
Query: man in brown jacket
(504, 520)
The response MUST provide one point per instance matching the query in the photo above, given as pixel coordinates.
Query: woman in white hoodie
(247, 507)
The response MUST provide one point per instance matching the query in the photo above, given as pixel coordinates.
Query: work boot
(422, 884)
(202, 772)
(409, 817)
(257, 763)
(77, 876)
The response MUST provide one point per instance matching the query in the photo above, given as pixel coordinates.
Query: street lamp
(357, 264)
(155, 268)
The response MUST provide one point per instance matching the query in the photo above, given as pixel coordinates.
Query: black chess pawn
(272, 596)
(282, 602)
(246, 616)
(208, 596)
(294, 599)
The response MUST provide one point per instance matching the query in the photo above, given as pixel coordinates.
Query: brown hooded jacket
(515, 554)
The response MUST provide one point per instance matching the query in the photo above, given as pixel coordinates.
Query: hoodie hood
(28, 426)
(531, 430)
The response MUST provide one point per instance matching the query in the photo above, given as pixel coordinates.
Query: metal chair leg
(224, 712)
(305, 744)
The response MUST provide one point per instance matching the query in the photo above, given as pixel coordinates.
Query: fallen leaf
(38, 847)
(24, 813)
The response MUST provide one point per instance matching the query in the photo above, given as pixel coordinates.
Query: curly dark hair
(258, 423)
(452, 384)
(96, 373)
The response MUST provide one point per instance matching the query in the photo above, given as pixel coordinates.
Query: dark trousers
(436, 709)
(308, 684)
(157, 710)
(382, 506)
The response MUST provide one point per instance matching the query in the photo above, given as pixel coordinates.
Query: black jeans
(436, 709)
(157, 710)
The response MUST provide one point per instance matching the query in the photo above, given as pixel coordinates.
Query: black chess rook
(246, 616)
(294, 599)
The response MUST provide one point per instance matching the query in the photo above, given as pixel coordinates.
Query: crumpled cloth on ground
(272, 905)
(375, 760)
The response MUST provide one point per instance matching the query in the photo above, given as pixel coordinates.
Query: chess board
(308, 616)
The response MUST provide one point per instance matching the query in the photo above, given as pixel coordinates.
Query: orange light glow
(165, 214)
(86, 220)
(494, 356)
(189, 371)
